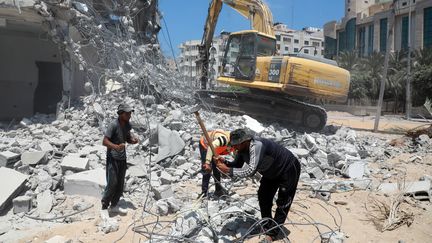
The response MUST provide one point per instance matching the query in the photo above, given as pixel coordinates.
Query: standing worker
(220, 140)
(279, 168)
(115, 138)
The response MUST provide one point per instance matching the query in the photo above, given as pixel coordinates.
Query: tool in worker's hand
(195, 109)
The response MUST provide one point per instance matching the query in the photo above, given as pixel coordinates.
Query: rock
(165, 178)
(173, 205)
(300, 153)
(351, 136)
(87, 183)
(334, 157)
(180, 160)
(355, 170)
(58, 239)
(420, 190)
(163, 192)
(310, 142)
(424, 139)
(148, 100)
(46, 147)
(317, 173)
(44, 202)
(44, 181)
(4, 227)
(176, 125)
(70, 148)
(169, 142)
(321, 157)
(333, 237)
(137, 171)
(162, 207)
(13, 183)
(253, 124)
(25, 122)
(74, 163)
(34, 158)
(108, 225)
(8, 158)
(22, 204)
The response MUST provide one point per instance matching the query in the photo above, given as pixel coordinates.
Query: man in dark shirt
(279, 168)
(115, 137)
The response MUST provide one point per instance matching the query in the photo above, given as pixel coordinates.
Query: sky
(184, 19)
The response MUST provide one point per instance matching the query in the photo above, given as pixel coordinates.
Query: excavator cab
(241, 53)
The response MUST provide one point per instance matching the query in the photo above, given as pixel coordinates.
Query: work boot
(118, 210)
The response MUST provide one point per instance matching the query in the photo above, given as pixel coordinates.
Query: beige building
(364, 28)
(289, 41)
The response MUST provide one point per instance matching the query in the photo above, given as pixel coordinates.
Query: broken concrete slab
(170, 142)
(44, 202)
(253, 124)
(11, 186)
(137, 171)
(355, 170)
(162, 207)
(420, 190)
(46, 147)
(166, 178)
(317, 173)
(87, 183)
(34, 158)
(163, 192)
(22, 204)
(74, 163)
(8, 158)
(299, 152)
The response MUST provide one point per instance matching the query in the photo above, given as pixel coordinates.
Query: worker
(115, 138)
(220, 140)
(279, 168)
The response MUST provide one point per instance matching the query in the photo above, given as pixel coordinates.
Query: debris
(58, 239)
(316, 173)
(169, 143)
(163, 192)
(253, 124)
(34, 158)
(44, 202)
(355, 170)
(22, 204)
(11, 186)
(8, 158)
(74, 163)
(420, 190)
(301, 153)
(89, 183)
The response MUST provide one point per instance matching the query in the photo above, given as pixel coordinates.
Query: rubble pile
(54, 160)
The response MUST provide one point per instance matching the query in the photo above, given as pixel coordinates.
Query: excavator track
(267, 107)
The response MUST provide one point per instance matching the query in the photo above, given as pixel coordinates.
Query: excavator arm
(255, 10)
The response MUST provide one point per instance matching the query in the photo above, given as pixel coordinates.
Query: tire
(314, 121)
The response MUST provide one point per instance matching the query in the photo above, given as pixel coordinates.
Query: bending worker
(279, 168)
(220, 140)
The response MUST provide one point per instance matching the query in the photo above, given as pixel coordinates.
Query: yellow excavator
(279, 85)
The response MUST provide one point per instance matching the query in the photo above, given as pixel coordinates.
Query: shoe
(220, 193)
(104, 214)
(118, 210)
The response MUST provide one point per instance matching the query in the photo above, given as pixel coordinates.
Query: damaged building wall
(33, 75)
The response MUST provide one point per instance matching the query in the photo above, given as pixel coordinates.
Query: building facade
(366, 24)
(307, 41)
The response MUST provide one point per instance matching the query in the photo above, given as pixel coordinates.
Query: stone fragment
(44, 202)
(22, 204)
(299, 152)
(34, 158)
(87, 183)
(12, 185)
(166, 178)
(162, 207)
(137, 171)
(317, 173)
(355, 170)
(74, 163)
(46, 147)
(44, 181)
(169, 142)
(163, 192)
(8, 158)
(420, 190)
(58, 239)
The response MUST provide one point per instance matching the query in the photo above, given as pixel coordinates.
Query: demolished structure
(58, 161)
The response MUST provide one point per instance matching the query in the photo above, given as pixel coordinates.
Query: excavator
(279, 86)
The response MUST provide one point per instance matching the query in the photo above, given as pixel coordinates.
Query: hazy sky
(185, 18)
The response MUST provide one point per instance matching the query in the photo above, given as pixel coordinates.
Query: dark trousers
(115, 176)
(206, 175)
(286, 183)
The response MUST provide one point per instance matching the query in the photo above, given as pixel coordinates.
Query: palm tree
(348, 60)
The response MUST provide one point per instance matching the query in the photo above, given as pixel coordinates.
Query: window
(296, 50)
(404, 41)
(288, 40)
(314, 43)
(350, 31)
(278, 37)
(286, 48)
(383, 35)
(330, 49)
(306, 43)
(427, 27)
(362, 40)
(306, 51)
(370, 39)
(342, 41)
(266, 46)
(296, 41)
(404, 4)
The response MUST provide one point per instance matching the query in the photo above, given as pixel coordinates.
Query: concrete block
(7, 158)
(22, 204)
(13, 183)
(162, 207)
(317, 173)
(87, 183)
(44, 202)
(34, 158)
(137, 171)
(166, 178)
(420, 190)
(74, 163)
(299, 152)
(46, 147)
(163, 192)
(355, 170)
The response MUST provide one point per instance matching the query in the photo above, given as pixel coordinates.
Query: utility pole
(408, 87)
(386, 61)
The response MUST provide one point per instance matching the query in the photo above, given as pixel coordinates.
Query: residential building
(189, 55)
(365, 27)
(307, 41)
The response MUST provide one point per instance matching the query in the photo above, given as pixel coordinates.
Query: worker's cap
(239, 136)
(124, 108)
